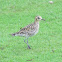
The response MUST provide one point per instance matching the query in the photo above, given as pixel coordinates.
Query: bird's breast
(37, 29)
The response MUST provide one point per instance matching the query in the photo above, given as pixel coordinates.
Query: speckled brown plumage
(29, 30)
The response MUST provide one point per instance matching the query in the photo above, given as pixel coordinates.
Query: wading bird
(29, 30)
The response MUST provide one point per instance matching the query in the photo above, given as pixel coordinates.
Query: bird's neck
(36, 24)
(36, 21)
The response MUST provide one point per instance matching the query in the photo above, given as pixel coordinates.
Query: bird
(29, 30)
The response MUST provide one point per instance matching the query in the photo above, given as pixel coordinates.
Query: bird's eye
(38, 18)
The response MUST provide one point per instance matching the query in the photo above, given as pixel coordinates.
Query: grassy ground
(46, 46)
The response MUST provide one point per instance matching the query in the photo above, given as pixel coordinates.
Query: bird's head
(38, 18)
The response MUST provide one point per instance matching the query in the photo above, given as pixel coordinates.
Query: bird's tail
(15, 34)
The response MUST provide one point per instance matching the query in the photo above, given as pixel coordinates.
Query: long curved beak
(43, 19)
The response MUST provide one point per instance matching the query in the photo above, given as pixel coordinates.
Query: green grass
(46, 46)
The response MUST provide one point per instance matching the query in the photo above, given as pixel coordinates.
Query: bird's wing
(28, 28)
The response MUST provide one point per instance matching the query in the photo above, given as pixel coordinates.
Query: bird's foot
(29, 47)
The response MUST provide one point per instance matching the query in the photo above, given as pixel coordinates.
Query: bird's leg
(25, 40)
(27, 44)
